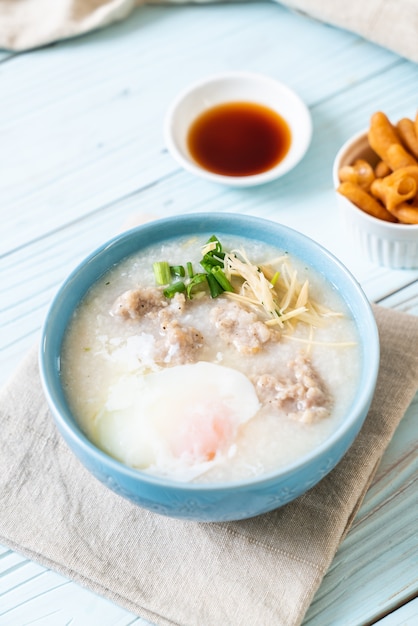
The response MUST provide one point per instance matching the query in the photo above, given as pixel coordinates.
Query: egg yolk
(201, 437)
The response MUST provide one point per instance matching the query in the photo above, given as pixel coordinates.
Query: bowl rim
(395, 226)
(49, 363)
(273, 173)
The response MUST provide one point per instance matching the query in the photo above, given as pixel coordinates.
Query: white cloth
(259, 571)
(26, 24)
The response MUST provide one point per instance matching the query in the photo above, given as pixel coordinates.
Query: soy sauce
(239, 139)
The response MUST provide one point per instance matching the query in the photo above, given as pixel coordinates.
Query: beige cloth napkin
(259, 571)
(27, 24)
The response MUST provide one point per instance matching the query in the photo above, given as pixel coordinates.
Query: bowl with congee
(209, 367)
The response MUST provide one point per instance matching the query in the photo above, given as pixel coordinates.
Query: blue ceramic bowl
(213, 501)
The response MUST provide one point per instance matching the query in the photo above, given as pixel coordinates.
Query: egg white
(177, 422)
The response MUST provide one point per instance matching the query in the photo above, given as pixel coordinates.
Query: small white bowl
(384, 243)
(237, 87)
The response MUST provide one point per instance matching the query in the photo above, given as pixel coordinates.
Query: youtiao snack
(361, 173)
(365, 201)
(407, 133)
(387, 186)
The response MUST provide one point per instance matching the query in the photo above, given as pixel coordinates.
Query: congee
(206, 359)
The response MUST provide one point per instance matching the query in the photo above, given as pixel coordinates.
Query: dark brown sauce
(239, 139)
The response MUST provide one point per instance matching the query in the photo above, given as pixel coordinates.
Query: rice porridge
(210, 360)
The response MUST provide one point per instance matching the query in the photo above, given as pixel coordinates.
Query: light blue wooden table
(81, 151)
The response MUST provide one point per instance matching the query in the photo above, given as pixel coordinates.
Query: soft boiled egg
(177, 422)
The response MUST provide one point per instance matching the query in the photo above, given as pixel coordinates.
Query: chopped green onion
(177, 270)
(177, 287)
(213, 248)
(219, 274)
(214, 287)
(209, 261)
(213, 275)
(208, 246)
(196, 280)
(206, 266)
(162, 272)
(212, 245)
(218, 246)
